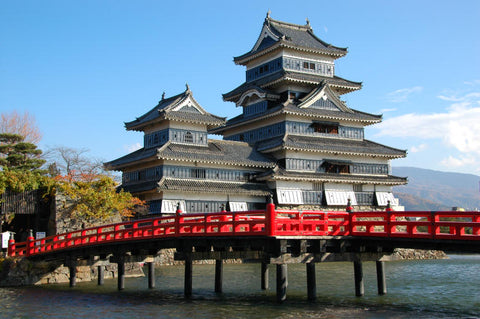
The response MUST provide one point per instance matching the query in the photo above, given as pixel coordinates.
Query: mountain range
(435, 190)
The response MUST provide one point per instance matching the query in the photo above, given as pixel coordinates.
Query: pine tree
(16, 154)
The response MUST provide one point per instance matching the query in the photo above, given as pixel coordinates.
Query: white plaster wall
(338, 187)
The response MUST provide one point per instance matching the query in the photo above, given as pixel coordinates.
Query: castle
(295, 139)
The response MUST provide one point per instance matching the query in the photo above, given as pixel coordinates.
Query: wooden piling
(188, 277)
(311, 281)
(358, 274)
(264, 279)
(151, 275)
(73, 275)
(100, 275)
(121, 274)
(218, 275)
(381, 281)
(282, 282)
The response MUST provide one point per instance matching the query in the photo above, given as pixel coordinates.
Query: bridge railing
(269, 222)
(410, 224)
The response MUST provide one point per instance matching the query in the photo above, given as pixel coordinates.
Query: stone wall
(22, 272)
(62, 221)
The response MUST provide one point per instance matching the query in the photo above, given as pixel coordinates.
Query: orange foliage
(23, 125)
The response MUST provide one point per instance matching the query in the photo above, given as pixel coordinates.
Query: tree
(23, 125)
(73, 163)
(16, 154)
(96, 197)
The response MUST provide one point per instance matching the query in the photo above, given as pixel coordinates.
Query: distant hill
(435, 190)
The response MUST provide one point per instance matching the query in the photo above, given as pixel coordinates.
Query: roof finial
(163, 95)
(308, 22)
(187, 87)
(268, 13)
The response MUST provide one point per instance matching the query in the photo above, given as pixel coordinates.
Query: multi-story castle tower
(307, 146)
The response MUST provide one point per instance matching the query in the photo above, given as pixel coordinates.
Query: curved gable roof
(282, 34)
(181, 107)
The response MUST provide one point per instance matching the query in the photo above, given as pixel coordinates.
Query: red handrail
(269, 222)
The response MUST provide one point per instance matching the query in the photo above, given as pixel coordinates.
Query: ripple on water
(420, 289)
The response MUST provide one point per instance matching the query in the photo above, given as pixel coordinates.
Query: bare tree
(24, 125)
(63, 160)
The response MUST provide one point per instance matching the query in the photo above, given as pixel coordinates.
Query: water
(416, 289)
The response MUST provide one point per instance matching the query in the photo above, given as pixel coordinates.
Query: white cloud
(473, 83)
(458, 162)
(132, 147)
(419, 148)
(402, 95)
(457, 127)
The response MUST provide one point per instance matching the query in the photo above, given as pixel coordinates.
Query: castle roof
(307, 112)
(329, 145)
(182, 107)
(282, 174)
(137, 157)
(216, 152)
(277, 34)
(341, 85)
(222, 187)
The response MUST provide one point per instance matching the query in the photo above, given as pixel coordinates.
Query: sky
(83, 68)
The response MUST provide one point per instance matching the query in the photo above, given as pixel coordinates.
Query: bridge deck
(269, 232)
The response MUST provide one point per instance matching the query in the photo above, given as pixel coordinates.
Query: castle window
(305, 65)
(312, 66)
(197, 173)
(357, 187)
(326, 128)
(336, 167)
(188, 138)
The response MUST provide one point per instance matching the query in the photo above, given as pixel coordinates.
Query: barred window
(188, 137)
(197, 173)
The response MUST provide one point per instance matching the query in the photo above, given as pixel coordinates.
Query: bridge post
(381, 282)
(30, 243)
(270, 217)
(121, 272)
(11, 245)
(101, 275)
(282, 282)
(151, 275)
(264, 276)
(188, 277)
(218, 275)
(311, 281)
(358, 274)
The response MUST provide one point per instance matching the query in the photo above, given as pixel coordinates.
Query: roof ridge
(305, 27)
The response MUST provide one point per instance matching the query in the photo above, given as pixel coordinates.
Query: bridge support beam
(101, 275)
(121, 273)
(188, 278)
(381, 282)
(358, 274)
(282, 282)
(264, 279)
(311, 281)
(218, 275)
(151, 275)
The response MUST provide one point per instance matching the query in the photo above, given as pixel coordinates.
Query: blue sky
(83, 68)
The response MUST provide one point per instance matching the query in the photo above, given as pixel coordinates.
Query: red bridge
(268, 236)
